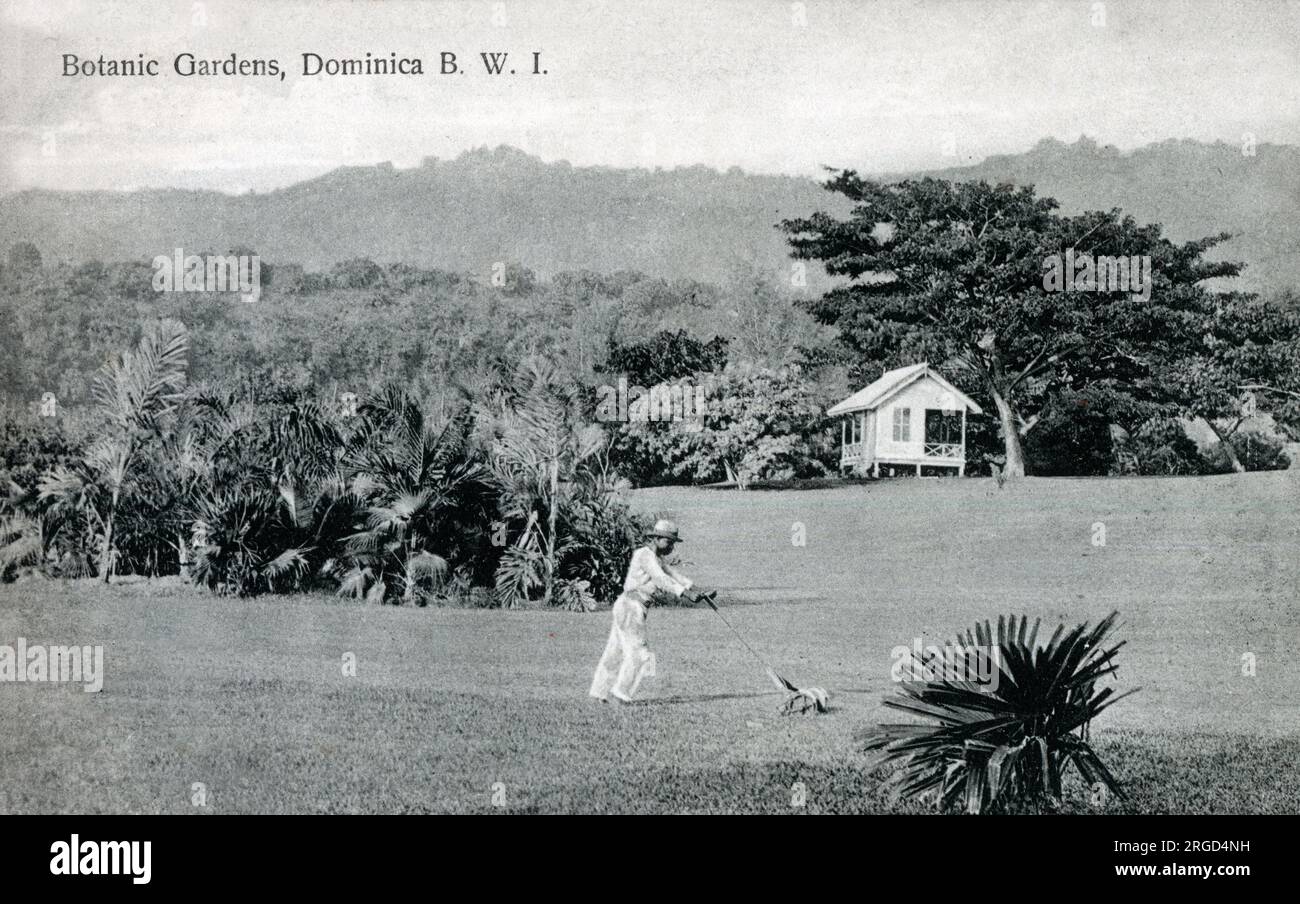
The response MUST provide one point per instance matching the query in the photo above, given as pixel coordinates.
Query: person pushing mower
(627, 659)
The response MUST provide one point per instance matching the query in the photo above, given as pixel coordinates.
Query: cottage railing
(943, 450)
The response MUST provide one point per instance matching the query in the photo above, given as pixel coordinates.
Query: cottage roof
(892, 382)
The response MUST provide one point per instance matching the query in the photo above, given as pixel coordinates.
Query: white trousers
(626, 659)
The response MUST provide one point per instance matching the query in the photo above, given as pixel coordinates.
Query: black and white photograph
(700, 407)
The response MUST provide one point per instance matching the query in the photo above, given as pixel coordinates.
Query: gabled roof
(892, 382)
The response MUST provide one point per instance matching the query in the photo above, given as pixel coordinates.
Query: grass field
(450, 708)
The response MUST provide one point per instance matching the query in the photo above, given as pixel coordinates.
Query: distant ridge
(1194, 189)
(502, 204)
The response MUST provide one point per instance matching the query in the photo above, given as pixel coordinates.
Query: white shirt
(647, 573)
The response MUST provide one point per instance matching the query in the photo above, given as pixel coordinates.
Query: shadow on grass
(678, 699)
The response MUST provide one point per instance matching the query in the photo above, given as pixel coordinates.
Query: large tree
(961, 274)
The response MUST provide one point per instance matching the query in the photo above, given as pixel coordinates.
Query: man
(627, 659)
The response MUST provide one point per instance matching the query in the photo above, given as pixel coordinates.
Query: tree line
(403, 434)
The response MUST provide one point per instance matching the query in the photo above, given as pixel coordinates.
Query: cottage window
(855, 435)
(902, 425)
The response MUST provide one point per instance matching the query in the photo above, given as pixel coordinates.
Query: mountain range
(490, 205)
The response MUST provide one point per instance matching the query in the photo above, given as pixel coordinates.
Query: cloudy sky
(766, 85)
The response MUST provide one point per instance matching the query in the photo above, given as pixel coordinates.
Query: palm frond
(292, 564)
(21, 542)
(355, 583)
(425, 565)
(137, 387)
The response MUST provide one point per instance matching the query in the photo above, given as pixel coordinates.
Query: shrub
(757, 424)
(422, 487)
(1162, 447)
(270, 511)
(22, 545)
(1260, 451)
(568, 531)
(603, 531)
(665, 357)
(31, 445)
(989, 746)
(1073, 438)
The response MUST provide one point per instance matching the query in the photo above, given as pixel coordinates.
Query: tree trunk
(550, 531)
(1015, 465)
(90, 532)
(1227, 447)
(108, 534)
(408, 585)
(733, 474)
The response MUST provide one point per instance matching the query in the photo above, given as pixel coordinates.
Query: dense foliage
(506, 499)
(756, 424)
(968, 275)
(408, 434)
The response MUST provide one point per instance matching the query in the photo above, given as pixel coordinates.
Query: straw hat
(666, 529)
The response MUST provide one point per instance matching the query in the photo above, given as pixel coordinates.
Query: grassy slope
(249, 697)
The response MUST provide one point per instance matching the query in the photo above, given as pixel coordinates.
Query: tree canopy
(969, 275)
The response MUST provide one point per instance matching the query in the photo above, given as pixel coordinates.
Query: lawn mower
(801, 699)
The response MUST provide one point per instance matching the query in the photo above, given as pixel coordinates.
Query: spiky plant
(228, 528)
(601, 530)
(72, 498)
(987, 745)
(22, 537)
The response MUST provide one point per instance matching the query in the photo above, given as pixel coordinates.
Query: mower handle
(708, 597)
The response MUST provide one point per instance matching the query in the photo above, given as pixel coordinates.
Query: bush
(565, 527)
(1072, 439)
(268, 508)
(1260, 451)
(993, 746)
(1162, 447)
(603, 531)
(665, 357)
(31, 445)
(757, 424)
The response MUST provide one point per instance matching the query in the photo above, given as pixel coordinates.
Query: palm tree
(545, 460)
(22, 537)
(421, 487)
(269, 504)
(134, 392)
(72, 499)
(992, 744)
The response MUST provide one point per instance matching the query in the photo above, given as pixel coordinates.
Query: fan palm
(271, 508)
(421, 488)
(22, 537)
(991, 744)
(72, 499)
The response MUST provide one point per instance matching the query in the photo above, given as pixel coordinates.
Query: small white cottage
(910, 417)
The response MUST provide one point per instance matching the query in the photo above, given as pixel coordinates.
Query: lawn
(478, 711)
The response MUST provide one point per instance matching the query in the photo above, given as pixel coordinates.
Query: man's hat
(666, 529)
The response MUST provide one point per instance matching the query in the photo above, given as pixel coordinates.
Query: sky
(769, 86)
